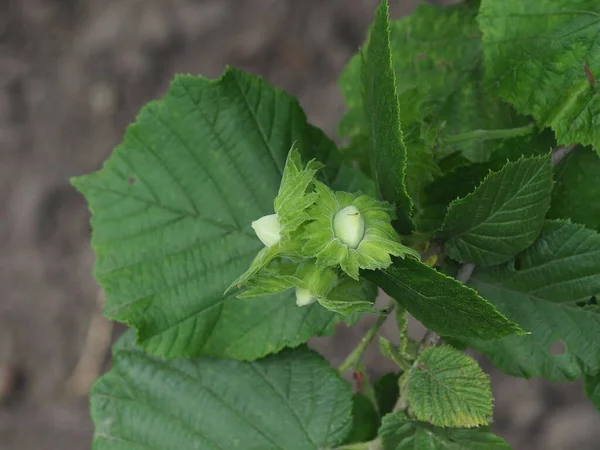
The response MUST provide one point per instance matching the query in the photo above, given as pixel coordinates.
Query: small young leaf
(592, 389)
(448, 389)
(386, 392)
(441, 303)
(540, 55)
(365, 420)
(388, 157)
(576, 192)
(461, 177)
(545, 290)
(399, 432)
(502, 216)
(291, 400)
(172, 212)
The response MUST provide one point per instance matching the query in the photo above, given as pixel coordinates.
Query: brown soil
(73, 74)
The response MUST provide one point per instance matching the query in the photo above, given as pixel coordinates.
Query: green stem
(484, 135)
(354, 358)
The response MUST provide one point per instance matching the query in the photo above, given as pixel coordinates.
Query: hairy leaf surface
(502, 216)
(448, 389)
(388, 153)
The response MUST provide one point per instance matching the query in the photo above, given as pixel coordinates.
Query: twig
(559, 153)
(465, 272)
(354, 358)
(96, 345)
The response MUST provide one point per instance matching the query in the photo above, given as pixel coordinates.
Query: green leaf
(387, 392)
(502, 216)
(172, 209)
(535, 54)
(592, 389)
(577, 188)
(441, 303)
(398, 432)
(388, 157)
(291, 400)
(448, 389)
(437, 53)
(365, 420)
(540, 290)
(461, 179)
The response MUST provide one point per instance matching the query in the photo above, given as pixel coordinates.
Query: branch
(559, 153)
(354, 358)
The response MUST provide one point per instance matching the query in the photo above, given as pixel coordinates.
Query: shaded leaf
(441, 303)
(398, 432)
(365, 420)
(592, 389)
(291, 400)
(448, 389)
(545, 290)
(577, 188)
(502, 216)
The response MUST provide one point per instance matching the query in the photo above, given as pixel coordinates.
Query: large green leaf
(398, 432)
(503, 216)
(576, 192)
(172, 209)
(536, 53)
(292, 400)
(448, 389)
(540, 290)
(441, 303)
(388, 153)
(436, 52)
(592, 389)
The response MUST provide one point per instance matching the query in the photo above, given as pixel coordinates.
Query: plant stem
(465, 272)
(354, 358)
(484, 135)
(559, 153)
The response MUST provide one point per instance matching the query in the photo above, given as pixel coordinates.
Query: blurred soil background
(73, 74)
